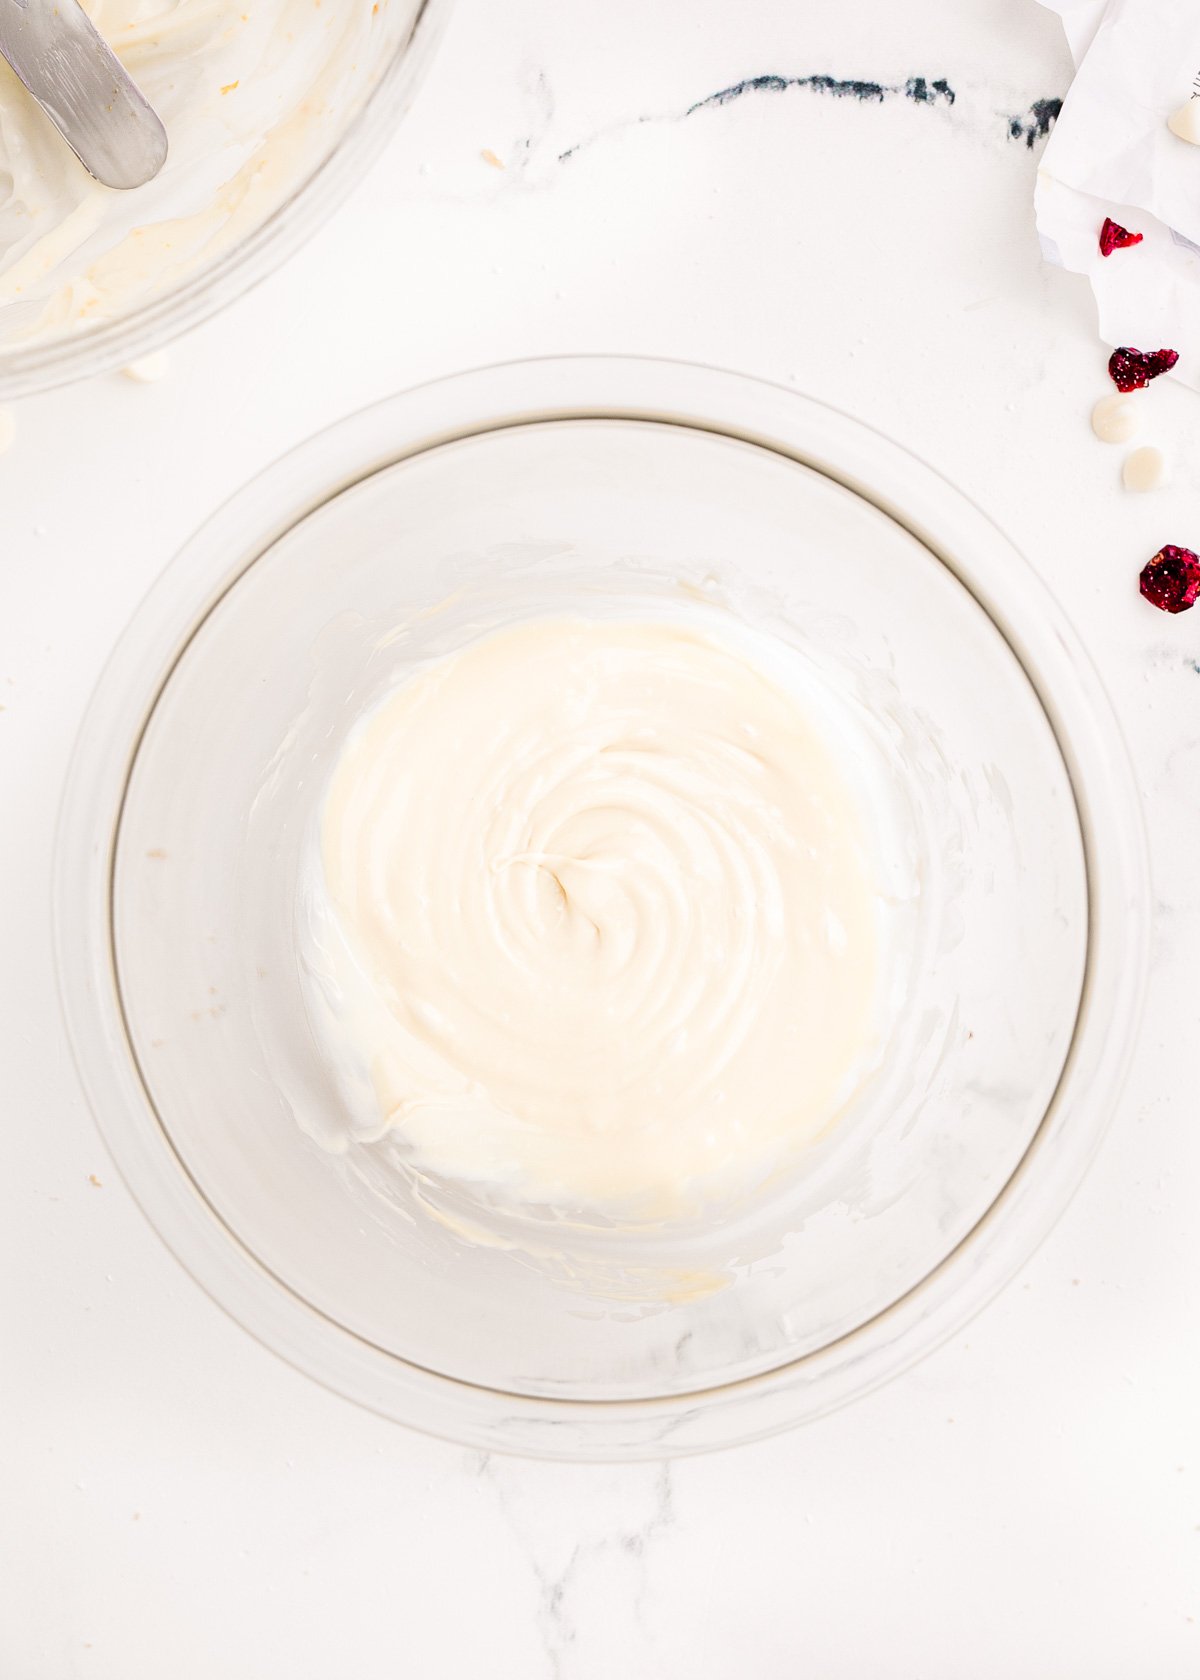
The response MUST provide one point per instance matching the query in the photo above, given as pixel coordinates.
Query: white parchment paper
(1112, 154)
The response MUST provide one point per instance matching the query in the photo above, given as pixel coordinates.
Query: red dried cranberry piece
(1161, 361)
(1171, 580)
(1113, 237)
(1131, 369)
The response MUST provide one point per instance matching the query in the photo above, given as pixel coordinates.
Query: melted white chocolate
(601, 922)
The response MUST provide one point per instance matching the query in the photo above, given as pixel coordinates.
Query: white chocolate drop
(1186, 122)
(1145, 469)
(148, 370)
(1116, 419)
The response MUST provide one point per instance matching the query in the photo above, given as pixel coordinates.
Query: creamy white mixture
(598, 918)
(252, 94)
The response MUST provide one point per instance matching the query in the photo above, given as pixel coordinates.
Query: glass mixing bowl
(603, 486)
(343, 129)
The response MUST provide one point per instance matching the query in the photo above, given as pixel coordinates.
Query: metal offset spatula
(79, 82)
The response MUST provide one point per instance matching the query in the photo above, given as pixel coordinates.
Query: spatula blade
(81, 85)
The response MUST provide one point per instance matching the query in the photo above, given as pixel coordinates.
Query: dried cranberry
(1161, 361)
(1113, 237)
(1131, 369)
(1171, 580)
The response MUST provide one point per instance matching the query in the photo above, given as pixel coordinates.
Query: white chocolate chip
(1186, 122)
(1117, 418)
(1145, 469)
(147, 369)
(8, 429)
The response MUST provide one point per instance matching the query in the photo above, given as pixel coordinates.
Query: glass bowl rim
(962, 538)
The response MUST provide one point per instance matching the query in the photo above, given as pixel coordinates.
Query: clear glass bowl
(385, 81)
(603, 485)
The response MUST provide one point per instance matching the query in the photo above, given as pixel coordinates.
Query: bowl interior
(942, 728)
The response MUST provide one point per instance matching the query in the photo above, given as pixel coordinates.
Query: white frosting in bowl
(252, 97)
(598, 916)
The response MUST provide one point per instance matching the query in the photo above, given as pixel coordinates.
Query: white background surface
(173, 1500)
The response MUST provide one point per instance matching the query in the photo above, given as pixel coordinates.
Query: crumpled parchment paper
(1112, 154)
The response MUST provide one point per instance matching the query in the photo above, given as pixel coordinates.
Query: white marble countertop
(675, 179)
